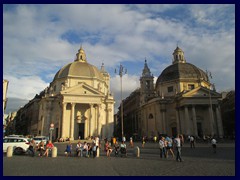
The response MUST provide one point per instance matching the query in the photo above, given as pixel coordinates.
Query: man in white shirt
(192, 142)
(177, 142)
(214, 145)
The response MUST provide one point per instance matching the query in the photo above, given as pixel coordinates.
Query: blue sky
(40, 39)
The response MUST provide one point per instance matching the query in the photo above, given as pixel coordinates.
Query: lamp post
(210, 101)
(51, 130)
(122, 71)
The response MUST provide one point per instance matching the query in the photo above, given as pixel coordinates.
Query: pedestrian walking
(192, 142)
(143, 141)
(162, 147)
(181, 139)
(214, 145)
(177, 142)
(124, 138)
(131, 142)
(94, 150)
(169, 146)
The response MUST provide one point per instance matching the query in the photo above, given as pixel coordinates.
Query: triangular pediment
(201, 92)
(82, 89)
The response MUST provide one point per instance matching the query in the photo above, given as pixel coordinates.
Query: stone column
(107, 120)
(99, 121)
(91, 121)
(177, 121)
(164, 121)
(96, 121)
(59, 127)
(63, 120)
(219, 122)
(187, 128)
(86, 124)
(42, 126)
(195, 132)
(211, 120)
(72, 121)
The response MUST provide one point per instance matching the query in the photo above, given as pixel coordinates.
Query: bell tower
(146, 85)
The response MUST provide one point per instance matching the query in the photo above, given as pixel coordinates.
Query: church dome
(180, 69)
(79, 68)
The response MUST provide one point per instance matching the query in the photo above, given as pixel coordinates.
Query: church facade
(77, 103)
(181, 102)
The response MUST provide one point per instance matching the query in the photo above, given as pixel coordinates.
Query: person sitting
(49, 147)
(40, 148)
(79, 149)
(85, 148)
(68, 150)
(108, 148)
(116, 148)
(32, 147)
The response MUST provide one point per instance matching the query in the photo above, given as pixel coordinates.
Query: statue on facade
(66, 83)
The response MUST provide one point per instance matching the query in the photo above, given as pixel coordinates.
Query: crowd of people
(168, 147)
(40, 148)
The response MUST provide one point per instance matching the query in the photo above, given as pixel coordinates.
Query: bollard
(54, 152)
(9, 151)
(97, 155)
(137, 151)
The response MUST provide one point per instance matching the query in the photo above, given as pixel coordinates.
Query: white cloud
(25, 87)
(129, 84)
(35, 46)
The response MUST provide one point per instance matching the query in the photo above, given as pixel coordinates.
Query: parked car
(38, 139)
(19, 144)
(15, 135)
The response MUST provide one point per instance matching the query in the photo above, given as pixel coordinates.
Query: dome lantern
(81, 56)
(178, 56)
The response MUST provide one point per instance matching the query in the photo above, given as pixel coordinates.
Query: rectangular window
(190, 86)
(170, 89)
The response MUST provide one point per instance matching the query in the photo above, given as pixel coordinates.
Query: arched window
(150, 116)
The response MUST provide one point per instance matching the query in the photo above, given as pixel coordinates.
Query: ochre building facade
(78, 103)
(181, 102)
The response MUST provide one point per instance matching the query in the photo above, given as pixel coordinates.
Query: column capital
(73, 104)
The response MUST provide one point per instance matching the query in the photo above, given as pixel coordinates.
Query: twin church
(79, 103)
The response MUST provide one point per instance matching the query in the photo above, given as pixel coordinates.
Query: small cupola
(81, 56)
(178, 56)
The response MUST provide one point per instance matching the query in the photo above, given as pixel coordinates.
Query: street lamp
(122, 71)
(210, 101)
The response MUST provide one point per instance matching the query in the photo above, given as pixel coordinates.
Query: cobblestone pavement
(200, 161)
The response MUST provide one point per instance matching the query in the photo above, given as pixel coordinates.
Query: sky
(38, 40)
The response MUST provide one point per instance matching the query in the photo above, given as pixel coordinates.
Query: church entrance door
(81, 130)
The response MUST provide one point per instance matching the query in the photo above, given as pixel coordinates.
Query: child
(68, 150)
